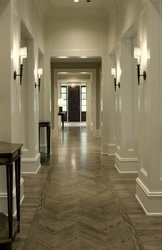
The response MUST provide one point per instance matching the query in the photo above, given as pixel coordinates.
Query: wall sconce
(40, 72)
(113, 72)
(137, 54)
(60, 104)
(23, 54)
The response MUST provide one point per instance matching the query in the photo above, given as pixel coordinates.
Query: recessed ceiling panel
(105, 6)
(80, 4)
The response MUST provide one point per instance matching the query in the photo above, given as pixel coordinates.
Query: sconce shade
(23, 53)
(137, 53)
(113, 71)
(40, 72)
(60, 102)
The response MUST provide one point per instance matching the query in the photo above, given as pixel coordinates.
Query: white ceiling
(76, 59)
(105, 6)
(80, 4)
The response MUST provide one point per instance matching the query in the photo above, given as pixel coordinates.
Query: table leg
(9, 173)
(62, 120)
(48, 142)
(39, 139)
(17, 179)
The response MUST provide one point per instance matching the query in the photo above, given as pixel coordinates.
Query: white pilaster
(126, 157)
(104, 106)
(149, 181)
(30, 152)
(111, 127)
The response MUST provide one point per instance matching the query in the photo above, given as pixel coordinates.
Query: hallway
(80, 201)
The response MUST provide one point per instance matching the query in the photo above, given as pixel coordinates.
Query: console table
(10, 153)
(47, 125)
(62, 114)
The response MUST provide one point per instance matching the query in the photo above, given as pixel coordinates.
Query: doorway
(74, 104)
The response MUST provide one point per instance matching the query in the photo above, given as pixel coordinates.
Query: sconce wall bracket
(116, 85)
(38, 84)
(138, 74)
(21, 74)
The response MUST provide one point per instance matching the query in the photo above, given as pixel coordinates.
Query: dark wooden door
(74, 103)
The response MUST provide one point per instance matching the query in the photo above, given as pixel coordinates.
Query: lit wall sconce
(40, 72)
(23, 54)
(113, 72)
(60, 104)
(137, 54)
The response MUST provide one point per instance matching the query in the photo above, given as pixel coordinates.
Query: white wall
(149, 181)
(5, 72)
(75, 33)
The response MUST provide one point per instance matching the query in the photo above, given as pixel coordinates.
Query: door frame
(91, 99)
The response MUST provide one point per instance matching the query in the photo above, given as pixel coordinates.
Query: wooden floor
(79, 201)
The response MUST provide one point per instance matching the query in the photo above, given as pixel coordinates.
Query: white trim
(125, 172)
(104, 153)
(3, 199)
(126, 165)
(125, 159)
(21, 201)
(149, 214)
(147, 192)
(111, 145)
(151, 202)
(32, 172)
(56, 92)
(4, 195)
(111, 149)
(31, 159)
(31, 165)
(144, 172)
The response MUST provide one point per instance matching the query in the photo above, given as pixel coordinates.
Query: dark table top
(44, 123)
(9, 151)
(9, 148)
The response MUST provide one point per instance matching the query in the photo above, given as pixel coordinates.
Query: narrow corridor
(79, 201)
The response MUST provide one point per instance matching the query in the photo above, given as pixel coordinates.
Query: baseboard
(3, 199)
(103, 153)
(31, 165)
(126, 165)
(151, 202)
(54, 132)
(111, 149)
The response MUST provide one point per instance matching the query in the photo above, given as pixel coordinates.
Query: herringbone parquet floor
(79, 201)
